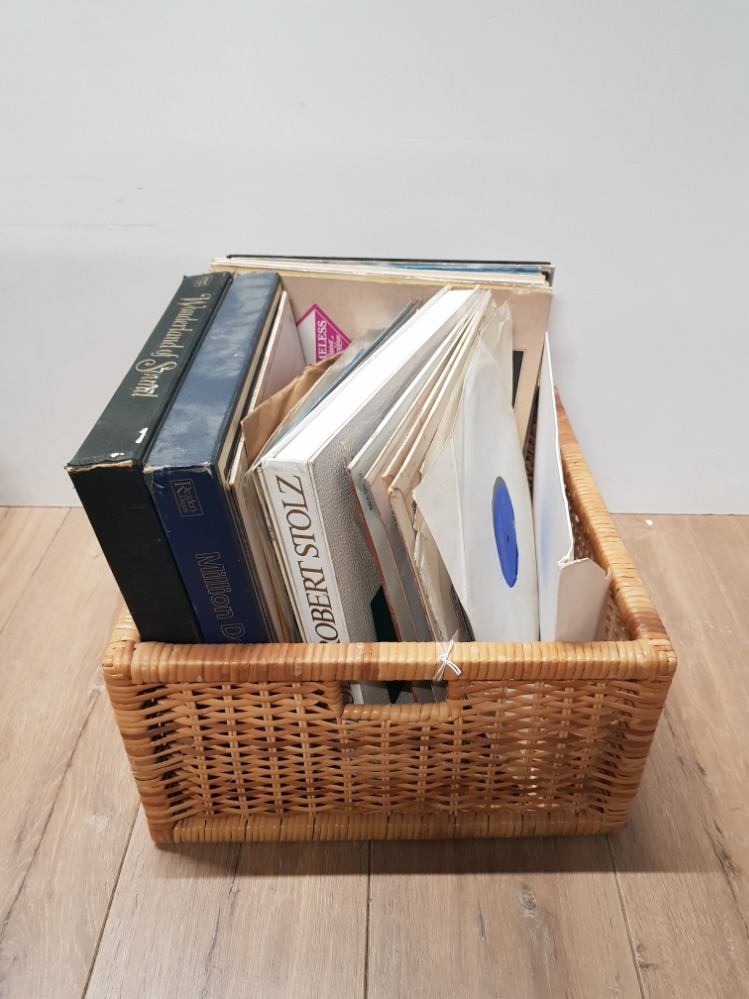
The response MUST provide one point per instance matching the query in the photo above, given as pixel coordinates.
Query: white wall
(140, 139)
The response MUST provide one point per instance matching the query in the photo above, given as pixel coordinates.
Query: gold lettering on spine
(149, 368)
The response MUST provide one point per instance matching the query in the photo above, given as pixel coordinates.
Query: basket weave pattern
(257, 742)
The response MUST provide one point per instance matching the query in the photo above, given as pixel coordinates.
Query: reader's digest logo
(186, 497)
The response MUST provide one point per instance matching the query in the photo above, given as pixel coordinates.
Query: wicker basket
(249, 742)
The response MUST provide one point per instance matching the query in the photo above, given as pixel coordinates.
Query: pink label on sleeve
(319, 335)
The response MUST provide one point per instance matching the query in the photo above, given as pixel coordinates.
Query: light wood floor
(89, 907)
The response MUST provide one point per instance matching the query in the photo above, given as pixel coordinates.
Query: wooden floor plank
(55, 731)
(687, 932)
(314, 895)
(681, 861)
(52, 929)
(504, 919)
(723, 543)
(270, 920)
(25, 536)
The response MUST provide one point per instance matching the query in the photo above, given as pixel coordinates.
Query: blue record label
(503, 516)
